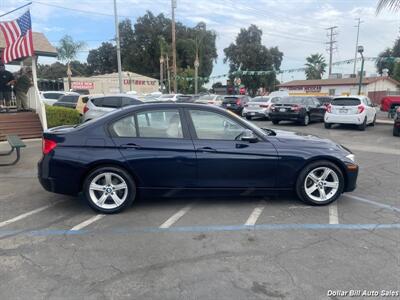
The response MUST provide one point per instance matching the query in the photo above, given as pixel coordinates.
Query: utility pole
(331, 43)
(196, 72)
(355, 55)
(118, 48)
(173, 4)
(168, 75)
(161, 73)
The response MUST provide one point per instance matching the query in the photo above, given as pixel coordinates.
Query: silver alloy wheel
(321, 184)
(306, 119)
(108, 190)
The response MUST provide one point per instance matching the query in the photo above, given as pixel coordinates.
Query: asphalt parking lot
(53, 246)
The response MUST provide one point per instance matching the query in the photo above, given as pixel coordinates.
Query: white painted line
(252, 220)
(87, 222)
(174, 218)
(378, 204)
(333, 213)
(27, 214)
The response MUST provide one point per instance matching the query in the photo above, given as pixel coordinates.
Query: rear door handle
(131, 145)
(206, 149)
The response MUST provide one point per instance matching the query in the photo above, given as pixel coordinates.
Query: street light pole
(161, 73)
(175, 86)
(118, 48)
(360, 50)
(196, 73)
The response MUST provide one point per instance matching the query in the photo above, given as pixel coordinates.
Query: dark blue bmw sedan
(188, 148)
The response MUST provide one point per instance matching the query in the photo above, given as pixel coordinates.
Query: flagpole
(11, 11)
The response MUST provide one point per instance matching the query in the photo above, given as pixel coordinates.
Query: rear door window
(125, 127)
(160, 124)
(346, 102)
(112, 102)
(98, 101)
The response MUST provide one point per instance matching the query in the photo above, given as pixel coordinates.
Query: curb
(384, 122)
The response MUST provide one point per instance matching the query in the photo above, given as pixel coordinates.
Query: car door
(157, 147)
(226, 161)
(320, 109)
(370, 110)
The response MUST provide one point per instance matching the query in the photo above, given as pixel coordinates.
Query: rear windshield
(260, 99)
(69, 99)
(206, 97)
(292, 100)
(346, 102)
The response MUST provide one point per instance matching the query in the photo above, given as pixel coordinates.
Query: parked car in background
(259, 107)
(81, 91)
(396, 125)
(356, 110)
(235, 103)
(301, 109)
(97, 106)
(169, 97)
(211, 99)
(186, 148)
(82, 100)
(51, 97)
(387, 101)
(69, 100)
(324, 100)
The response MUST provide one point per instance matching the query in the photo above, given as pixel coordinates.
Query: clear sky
(297, 27)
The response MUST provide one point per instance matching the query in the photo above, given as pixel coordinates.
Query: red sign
(82, 85)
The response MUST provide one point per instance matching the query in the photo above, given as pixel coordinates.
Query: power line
(331, 43)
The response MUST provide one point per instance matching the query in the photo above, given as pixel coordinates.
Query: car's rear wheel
(363, 125)
(275, 122)
(248, 117)
(396, 131)
(109, 189)
(320, 183)
(328, 125)
(373, 122)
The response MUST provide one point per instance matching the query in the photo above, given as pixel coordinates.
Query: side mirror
(248, 136)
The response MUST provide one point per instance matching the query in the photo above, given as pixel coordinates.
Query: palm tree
(67, 51)
(315, 66)
(393, 5)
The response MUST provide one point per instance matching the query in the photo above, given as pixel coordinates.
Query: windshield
(260, 99)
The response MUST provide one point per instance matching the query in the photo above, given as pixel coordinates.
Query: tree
(141, 48)
(103, 60)
(315, 66)
(58, 70)
(393, 5)
(386, 58)
(67, 51)
(248, 53)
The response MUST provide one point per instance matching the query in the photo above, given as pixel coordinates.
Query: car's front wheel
(396, 131)
(320, 183)
(248, 117)
(306, 120)
(328, 125)
(109, 189)
(275, 122)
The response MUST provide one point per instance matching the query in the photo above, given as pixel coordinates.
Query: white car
(210, 99)
(259, 107)
(169, 97)
(51, 97)
(357, 110)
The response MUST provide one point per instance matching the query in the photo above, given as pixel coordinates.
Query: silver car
(97, 106)
(259, 107)
(210, 99)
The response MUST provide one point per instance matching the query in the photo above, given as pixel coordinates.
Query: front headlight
(351, 157)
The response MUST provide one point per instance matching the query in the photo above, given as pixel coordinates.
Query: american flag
(18, 36)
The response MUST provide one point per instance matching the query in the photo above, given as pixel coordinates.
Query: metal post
(196, 73)
(161, 73)
(175, 86)
(168, 75)
(361, 74)
(118, 48)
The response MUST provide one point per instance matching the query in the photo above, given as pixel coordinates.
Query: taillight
(329, 108)
(264, 105)
(238, 102)
(85, 109)
(272, 107)
(361, 108)
(296, 107)
(48, 145)
(210, 102)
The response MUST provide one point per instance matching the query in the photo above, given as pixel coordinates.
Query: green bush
(57, 116)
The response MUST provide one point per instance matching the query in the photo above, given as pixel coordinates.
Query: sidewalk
(382, 118)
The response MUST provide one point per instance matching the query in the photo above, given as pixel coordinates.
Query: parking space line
(252, 220)
(27, 214)
(87, 222)
(333, 213)
(382, 205)
(175, 217)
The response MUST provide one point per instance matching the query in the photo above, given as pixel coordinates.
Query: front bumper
(351, 177)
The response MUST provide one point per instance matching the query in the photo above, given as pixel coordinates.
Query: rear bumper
(250, 113)
(286, 116)
(344, 119)
(235, 109)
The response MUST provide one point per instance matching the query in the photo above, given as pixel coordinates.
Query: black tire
(328, 125)
(248, 117)
(300, 188)
(363, 125)
(306, 120)
(131, 193)
(275, 122)
(396, 131)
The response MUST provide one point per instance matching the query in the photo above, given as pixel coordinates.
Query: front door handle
(131, 145)
(206, 149)
(240, 146)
